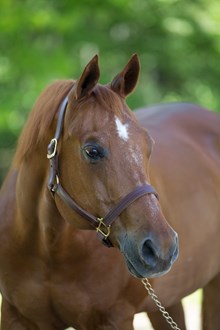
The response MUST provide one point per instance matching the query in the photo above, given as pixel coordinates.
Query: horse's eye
(93, 152)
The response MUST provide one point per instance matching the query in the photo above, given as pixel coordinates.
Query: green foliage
(43, 40)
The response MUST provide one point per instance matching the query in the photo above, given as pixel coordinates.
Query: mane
(41, 117)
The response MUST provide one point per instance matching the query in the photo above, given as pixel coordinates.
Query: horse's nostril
(149, 253)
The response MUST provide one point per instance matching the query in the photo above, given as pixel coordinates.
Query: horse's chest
(42, 301)
(46, 294)
(62, 289)
(48, 303)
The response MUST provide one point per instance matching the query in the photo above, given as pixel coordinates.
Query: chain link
(165, 314)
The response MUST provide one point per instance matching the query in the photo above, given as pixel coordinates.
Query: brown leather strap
(102, 225)
(52, 147)
(127, 200)
(61, 192)
(112, 215)
(60, 120)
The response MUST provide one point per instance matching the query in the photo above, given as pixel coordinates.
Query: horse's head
(103, 156)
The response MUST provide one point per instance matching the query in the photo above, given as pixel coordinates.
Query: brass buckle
(53, 143)
(105, 230)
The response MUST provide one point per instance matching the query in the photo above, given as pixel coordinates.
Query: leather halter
(101, 224)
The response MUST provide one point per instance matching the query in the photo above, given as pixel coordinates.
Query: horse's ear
(89, 78)
(124, 83)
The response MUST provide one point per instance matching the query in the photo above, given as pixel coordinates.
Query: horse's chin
(144, 271)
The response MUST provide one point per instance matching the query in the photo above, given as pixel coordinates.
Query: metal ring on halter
(52, 148)
(102, 226)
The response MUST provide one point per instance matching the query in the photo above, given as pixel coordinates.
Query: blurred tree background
(42, 40)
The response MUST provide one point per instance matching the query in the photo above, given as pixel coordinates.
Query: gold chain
(165, 314)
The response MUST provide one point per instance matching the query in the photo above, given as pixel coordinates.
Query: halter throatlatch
(101, 224)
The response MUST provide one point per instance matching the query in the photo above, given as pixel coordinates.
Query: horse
(108, 183)
(184, 170)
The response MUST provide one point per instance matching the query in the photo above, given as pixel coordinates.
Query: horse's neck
(37, 218)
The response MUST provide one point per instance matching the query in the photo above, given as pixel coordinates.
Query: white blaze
(122, 129)
(133, 155)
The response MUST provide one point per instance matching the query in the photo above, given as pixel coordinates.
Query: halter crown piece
(101, 224)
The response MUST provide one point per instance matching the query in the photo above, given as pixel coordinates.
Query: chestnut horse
(54, 273)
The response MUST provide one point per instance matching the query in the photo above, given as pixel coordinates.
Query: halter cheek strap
(101, 224)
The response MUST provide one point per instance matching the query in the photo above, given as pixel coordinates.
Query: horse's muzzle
(149, 258)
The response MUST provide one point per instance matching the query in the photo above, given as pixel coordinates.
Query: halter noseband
(101, 224)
